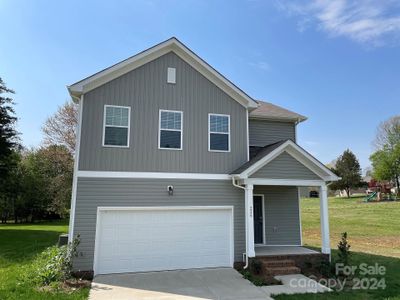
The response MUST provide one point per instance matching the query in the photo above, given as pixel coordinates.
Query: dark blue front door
(258, 219)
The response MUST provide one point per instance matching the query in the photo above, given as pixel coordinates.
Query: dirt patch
(69, 286)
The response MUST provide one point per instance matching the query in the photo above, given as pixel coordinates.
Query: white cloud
(365, 21)
(262, 65)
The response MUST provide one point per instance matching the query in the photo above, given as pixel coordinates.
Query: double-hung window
(116, 126)
(218, 133)
(170, 135)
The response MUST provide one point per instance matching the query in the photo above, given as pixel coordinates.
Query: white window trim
(159, 129)
(104, 126)
(263, 217)
(229, 132)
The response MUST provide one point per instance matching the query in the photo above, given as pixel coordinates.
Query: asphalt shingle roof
(261, 153)
(267, 110)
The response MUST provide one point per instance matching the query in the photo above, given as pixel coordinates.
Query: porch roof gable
(272, 151)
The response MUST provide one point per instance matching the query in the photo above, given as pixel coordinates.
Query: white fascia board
(311, 162)
(152, 175)
(146, 56)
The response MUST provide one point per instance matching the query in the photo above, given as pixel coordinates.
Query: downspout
(245, 223)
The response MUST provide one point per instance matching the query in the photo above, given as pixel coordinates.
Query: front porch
(271, 180)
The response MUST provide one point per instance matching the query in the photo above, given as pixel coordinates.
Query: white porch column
(324, 215)
(249, 220)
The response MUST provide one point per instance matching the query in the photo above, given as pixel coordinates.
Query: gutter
(245, 223)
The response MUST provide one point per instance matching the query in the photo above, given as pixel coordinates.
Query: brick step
(278, 263)
(273, 271)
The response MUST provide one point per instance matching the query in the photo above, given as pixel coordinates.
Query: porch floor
(262, 250)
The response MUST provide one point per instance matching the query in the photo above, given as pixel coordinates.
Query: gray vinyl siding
(146, 91)
(281, 209)
(285, 167)
(263, 132)
(94, 192)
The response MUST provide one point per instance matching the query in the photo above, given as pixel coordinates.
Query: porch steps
(274, 267)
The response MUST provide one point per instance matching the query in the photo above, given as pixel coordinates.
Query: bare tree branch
(60, 129)
(388, 133)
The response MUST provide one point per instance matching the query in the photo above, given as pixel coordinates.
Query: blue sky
(337, 62)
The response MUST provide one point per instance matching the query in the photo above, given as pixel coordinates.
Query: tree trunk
(348, 192)
(397, 184)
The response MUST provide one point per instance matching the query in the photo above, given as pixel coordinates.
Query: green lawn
(392, 280)
(372, 227)
(19, 245)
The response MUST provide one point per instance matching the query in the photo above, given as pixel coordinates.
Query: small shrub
(327, 268)
(344, 250)
(256, 266)
(54, 264)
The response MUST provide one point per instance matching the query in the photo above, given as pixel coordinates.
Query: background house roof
(267, 110)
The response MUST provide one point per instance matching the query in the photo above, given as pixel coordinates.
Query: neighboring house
(178, 168)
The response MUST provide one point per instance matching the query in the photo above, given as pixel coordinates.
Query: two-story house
(176, 168)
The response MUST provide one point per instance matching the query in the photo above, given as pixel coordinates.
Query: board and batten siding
(94, 192)
(285, 167)
(264, 132)
(146, 91)
(281, 210)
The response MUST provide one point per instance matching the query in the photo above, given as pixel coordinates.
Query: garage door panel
(152, 240)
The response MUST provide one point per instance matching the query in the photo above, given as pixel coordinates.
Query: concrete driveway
(219, 284)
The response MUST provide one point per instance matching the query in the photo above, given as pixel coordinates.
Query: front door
(258, 219)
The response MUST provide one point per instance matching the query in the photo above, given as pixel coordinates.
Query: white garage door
(168, 238)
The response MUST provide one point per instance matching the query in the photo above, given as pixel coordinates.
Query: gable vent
(171, 75)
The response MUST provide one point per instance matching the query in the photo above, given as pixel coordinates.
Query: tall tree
(386, 164)
(386, 160)
(8, 135)
(388, 134)
(60, 128)
(348, 168)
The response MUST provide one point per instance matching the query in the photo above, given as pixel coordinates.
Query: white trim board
(162, 208)
(75, 175)
(155, 175)
(174, 45)
(285, 182)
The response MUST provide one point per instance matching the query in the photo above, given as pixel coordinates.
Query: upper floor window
(218, 133)
(170, 135)
(116, 126)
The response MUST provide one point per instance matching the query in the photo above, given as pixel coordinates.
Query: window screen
(116, 126)
(219, 132)
(170, 130)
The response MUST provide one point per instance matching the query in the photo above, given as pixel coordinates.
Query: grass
(19, 244)
(392, 281)
(372, 227)
(374, 234)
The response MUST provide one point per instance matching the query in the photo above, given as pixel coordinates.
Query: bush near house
(24, 252)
